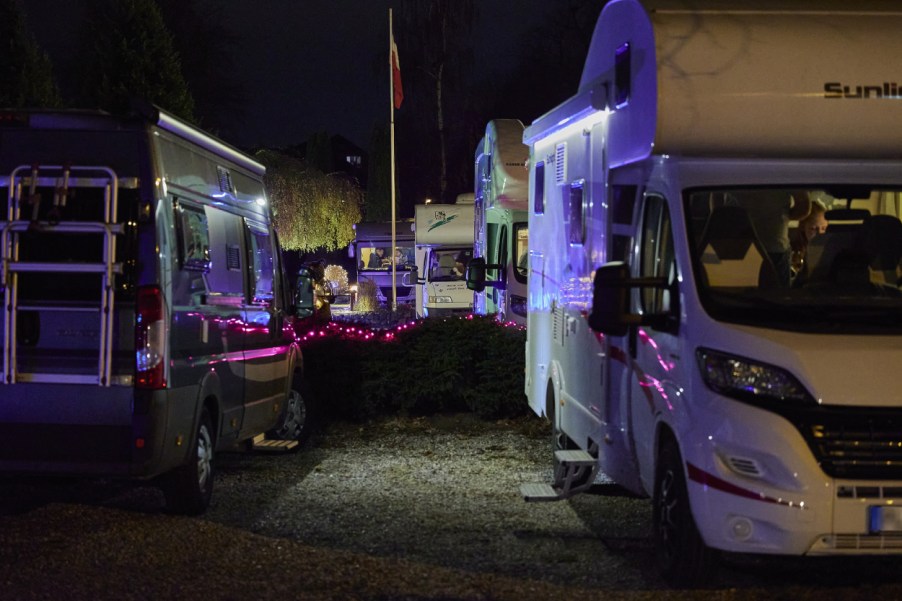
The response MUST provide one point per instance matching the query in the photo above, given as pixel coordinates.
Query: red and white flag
(396, 73)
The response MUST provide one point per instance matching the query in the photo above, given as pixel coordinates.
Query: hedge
(426, 367)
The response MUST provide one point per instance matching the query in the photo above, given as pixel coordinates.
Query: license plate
(882, 518)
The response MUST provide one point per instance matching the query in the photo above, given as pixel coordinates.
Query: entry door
(655, 353)
(265, 349)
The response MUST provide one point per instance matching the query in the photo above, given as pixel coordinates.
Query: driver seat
(731, 253)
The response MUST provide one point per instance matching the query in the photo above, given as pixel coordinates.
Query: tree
(206, 48)
(554, 53)
(130, 53)
(378, 187)
(437, 37)
(26, 75)
(319, 151)
(311, 210)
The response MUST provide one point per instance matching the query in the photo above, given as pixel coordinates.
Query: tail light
(150, 339)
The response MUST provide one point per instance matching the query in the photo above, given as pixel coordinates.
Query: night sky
(316, 70)
(311, 65)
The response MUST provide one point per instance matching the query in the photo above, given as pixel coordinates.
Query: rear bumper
(74, 430)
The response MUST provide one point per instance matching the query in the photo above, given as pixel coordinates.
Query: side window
(262, 266)
(623, 201)
(539, 189)
(521, 251)
(622, 75)
(193, 238)
(492, 251)
(657, 257)
(226, 277)
(576, 208)
(503, 251)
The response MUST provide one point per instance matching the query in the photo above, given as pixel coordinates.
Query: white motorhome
(443, 235)
(759, 408)
(498, 277)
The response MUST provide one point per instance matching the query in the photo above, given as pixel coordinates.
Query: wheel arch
(209, 395)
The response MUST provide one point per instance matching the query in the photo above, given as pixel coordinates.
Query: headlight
(439, 299)
(749, 381)
(518, 305)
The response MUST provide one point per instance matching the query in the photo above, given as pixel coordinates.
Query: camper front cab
(684, 336)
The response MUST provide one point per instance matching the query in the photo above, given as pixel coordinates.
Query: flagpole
(391, 104)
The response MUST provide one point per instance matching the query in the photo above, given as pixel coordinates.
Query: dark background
(292, 68)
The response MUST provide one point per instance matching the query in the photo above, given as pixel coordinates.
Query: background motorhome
(146, 321)
(377, 261)
(670, 351)
(444, 247)
(501, 221)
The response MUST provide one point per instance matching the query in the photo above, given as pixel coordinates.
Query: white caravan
(501, 228)
(443, 235)
(759, 407)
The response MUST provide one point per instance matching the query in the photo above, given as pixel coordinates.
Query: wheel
(189, 488)
(683, 557)
(297, 419)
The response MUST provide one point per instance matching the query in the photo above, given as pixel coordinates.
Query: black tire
(298, 419)
(189, 488)
(683, 557)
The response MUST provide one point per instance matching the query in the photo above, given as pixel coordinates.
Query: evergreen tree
(129, 53)
(378, 182)
(206, 47)
(319, 151)
(435, 40)
(26, 76)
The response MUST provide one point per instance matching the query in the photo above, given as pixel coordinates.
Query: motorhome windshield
(375, 256)
(449, 265)
(799, 258)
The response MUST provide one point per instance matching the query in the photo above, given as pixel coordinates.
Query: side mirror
(303, 293)
(610, 300)
(476, 274)
(410, 278)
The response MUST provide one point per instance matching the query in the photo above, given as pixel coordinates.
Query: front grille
(403, 291)
(854, 443)
(866, 542)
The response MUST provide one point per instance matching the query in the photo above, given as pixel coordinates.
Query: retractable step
(575, 473)
(261, 443)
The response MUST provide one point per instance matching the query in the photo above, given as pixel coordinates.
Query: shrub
(336, 276)
(366, 296)
(456, 364)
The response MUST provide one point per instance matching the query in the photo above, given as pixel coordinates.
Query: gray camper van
(146, 317)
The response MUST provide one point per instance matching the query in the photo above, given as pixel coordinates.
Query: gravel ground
(402, 509)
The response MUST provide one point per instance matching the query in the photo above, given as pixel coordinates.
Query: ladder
(23, 184)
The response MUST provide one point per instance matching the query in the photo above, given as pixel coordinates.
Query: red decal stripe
(705, 479)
